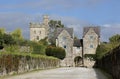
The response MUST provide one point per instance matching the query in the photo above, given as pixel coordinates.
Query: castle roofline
(95, 28)
(59, 30)
(36, 25)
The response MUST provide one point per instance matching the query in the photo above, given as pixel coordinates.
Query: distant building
(64, 37)
(39, 31)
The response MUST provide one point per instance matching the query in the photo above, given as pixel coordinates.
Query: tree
(2, 31)
(58, 52)
(105, 47)
(101, 50)
(44, 41)
(54, 24)
(114, 40)
(8, 39)
(75, 37)
(17, 34)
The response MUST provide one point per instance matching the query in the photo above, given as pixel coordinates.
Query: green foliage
(55, 52)
(17, 34)
(8, 39)
(12, 48)
(101, 51)
(104, 48)
(115, 38)
(75, 37)
(39, 47)
(114, 41)
(44, 41)
(55, 24)
(2, 31)
(90, 56)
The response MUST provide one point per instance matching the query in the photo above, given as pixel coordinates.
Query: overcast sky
(73, 13)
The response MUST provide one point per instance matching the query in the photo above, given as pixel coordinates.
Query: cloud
(11, 21)
(108, 30)
(72, 22)
(51, 4)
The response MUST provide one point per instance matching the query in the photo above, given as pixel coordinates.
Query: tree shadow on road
(101, 74)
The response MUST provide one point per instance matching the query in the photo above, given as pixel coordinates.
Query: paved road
(62, 73)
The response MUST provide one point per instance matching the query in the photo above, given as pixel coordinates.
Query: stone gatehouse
(64, 37)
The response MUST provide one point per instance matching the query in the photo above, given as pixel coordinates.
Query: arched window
(64, 46)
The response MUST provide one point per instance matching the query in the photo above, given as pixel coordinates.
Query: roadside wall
(11, 64)
(111, 63)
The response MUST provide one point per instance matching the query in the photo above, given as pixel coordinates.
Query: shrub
(58, 52)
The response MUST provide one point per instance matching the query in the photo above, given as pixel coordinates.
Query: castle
(75, 49)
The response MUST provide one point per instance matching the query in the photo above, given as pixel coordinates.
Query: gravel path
(62, 73)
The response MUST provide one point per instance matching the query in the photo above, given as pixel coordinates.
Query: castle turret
(45, 20)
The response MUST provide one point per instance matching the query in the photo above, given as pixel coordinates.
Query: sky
(73, 13)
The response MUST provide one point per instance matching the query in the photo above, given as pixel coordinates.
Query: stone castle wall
(37, 34)
(39, 31)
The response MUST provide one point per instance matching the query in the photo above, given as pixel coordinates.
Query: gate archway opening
(78, 61)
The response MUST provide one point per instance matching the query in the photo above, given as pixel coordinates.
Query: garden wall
(111, 63)
(11, 64)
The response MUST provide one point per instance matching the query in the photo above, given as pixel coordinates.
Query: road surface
(62, 73)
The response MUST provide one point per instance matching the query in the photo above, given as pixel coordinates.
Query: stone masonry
(39, 31)
(91, 39)
(65, 40)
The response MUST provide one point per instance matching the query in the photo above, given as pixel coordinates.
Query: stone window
(91, 37)
(64, 38)
(37, 37)
(40, 32)
(91, 46)
(34, 31)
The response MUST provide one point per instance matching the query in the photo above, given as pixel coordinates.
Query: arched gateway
(78, 61)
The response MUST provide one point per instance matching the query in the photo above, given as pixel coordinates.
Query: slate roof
(78, 43)
(96, 29)
(59, 30)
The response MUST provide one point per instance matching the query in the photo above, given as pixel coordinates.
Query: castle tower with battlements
(39, 31)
